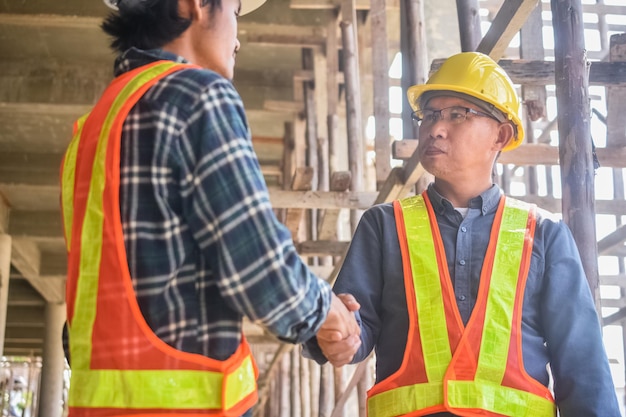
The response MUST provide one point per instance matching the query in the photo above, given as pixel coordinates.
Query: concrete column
(53, 363)
(5, 270)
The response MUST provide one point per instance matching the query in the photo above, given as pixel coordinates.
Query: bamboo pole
(577, 172)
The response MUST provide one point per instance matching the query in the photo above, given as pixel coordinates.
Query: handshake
(339, 337)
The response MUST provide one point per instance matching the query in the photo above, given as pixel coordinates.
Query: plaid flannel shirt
(203, 244)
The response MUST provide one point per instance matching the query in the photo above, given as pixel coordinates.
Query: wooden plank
(322, 248)
(284, 106)
(533, 154)
(505, 25)
(542, 72)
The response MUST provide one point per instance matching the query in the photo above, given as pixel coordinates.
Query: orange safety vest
(119, 366)
(473, 370)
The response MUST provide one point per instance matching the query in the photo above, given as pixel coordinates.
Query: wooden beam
(505, 25)
(275, 34)
(615, 239)
(323, 200)
(614, 318)
(326, 4)
(322, 248)
(542, 72)
(535, 154)
(284, 106)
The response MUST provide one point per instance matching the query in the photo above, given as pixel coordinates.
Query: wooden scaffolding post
(380, 73)
(533, 96)
(577, 172)
(353, 110)
(468, 13)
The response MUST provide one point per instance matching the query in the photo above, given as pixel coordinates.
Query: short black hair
(147, 24)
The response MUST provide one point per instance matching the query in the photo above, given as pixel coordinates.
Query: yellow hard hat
(476, 75)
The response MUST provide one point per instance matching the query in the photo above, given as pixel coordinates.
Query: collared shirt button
(463, 229)
(462, 262)
(461, 297)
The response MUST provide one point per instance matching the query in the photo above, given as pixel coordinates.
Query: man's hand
(339, 336)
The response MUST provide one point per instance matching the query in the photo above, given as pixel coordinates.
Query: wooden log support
(380, 73)
(353, 106)
(469, 24)
(577, 172)
(413, 47)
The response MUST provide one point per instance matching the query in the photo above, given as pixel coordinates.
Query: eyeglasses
(454, 115)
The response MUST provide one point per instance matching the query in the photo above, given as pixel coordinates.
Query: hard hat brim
(248, 6)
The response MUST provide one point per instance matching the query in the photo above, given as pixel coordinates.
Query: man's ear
(190, 9)
(506, 134)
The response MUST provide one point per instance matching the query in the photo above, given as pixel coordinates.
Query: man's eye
(457, 114)
(430, 117)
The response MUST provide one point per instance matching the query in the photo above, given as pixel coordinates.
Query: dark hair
(147, 24)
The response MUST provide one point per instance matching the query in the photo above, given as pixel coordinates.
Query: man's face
(215, 38)
(460, 151)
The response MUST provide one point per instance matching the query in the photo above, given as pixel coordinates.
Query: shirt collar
(486, 202)
(134, 58)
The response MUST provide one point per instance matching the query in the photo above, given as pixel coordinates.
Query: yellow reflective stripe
(494, 347)
(91, 232)
(178, 389)
(67, 182)
(240, 383)
(403, 400)
(429, 295)
(498, 399)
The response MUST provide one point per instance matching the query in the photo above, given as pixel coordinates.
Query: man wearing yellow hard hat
(476, 303)
(170, 234)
